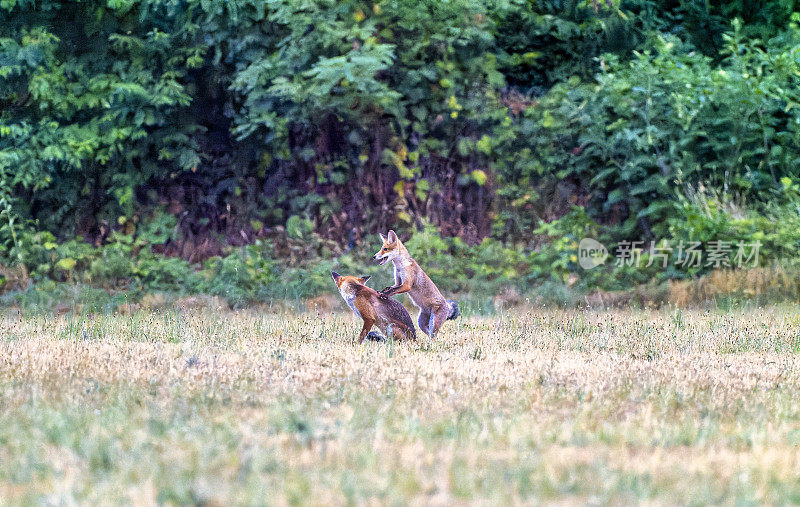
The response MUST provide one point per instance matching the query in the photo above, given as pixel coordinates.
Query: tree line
(193, 126)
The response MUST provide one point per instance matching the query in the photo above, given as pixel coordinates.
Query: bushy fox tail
(454, 311)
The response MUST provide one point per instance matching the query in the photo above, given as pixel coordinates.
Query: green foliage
(157, 229)
(170, 274)
(354, 88)
(666, 120)
(703, 23)
(243, 276)
(776, 227)
(549, 41)
(559, 257)
(509, 128)
(47, 296)
(481, 270)
(91, 110)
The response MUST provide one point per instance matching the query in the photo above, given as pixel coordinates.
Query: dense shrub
(246, 148)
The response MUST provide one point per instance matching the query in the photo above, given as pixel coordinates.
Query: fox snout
(381, 257)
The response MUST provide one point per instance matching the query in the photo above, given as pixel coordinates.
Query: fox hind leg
(425, 321)
(438, 317)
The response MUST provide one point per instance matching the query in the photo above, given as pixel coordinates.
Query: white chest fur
(400, 270)
(350, 298)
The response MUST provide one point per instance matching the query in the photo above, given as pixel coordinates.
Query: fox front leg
(397, 289)
(388, 291)
(365, 329)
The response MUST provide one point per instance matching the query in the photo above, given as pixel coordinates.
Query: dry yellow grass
(531, 406)
(762, 284)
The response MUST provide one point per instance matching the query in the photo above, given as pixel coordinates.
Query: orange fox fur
(373, 309)
(434, 309)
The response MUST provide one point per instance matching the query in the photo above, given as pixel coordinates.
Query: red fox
(374, 310)
(434, 309)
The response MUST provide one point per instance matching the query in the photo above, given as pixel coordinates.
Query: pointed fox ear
(383, 238)
(335, 275)
(392, 237)
(365, 278)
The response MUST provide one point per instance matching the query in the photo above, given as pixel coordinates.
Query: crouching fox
(387, 314)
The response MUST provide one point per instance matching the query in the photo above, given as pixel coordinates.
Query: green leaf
(547, 119)
(479, 177)
(66, 264)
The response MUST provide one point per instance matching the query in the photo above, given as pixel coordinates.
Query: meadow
(527, 406)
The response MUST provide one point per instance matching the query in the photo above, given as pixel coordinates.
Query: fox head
(348, 285)
(391, 249)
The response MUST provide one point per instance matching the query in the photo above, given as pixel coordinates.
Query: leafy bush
(243, 276)
(776, 228)
(49, 296)
(503, 132)
(667, 120)
(166, 274)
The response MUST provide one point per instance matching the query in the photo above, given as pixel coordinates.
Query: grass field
(533, 406)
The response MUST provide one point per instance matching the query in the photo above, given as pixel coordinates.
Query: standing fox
(434, 309)
(373, 309)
